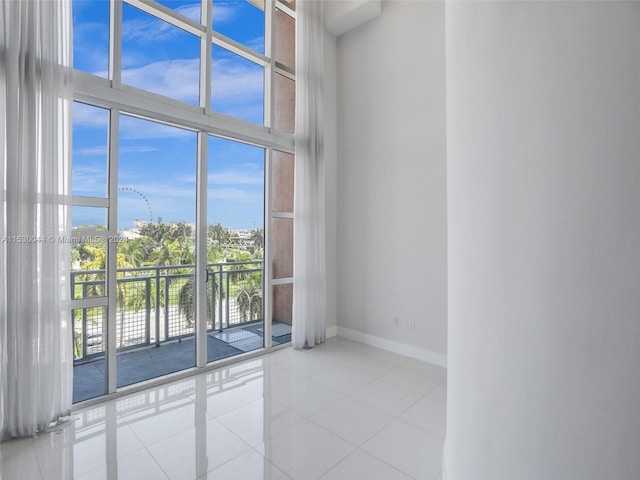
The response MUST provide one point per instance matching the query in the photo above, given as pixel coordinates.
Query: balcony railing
(157, 304)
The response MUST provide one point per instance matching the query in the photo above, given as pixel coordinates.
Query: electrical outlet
(396, 321)
(412, 324)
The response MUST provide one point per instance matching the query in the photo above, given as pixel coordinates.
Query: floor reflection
(339, 411)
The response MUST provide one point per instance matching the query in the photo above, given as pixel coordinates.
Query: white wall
(392, 179)
(543, 107)
(330, 172)
(340, 16)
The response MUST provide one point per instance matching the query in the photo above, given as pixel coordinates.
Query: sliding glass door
(155, 293)
(235, 247)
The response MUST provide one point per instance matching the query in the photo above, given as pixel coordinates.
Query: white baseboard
(332, 331)
(391, 346)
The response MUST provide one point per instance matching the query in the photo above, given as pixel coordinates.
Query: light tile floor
(341, 411)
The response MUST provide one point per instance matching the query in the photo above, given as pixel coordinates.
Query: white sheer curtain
(35, 96)
(309, 322)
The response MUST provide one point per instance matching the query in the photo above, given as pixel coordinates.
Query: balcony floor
(150, 362)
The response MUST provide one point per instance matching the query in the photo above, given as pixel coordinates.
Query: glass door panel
(155, 295)
(88, 257)
(235, 248)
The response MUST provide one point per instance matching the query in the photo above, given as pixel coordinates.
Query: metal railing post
(147, 306)
(157, 306)
(220, 296)
(228, 296)
(84, 322)
(167, 281)
(224, 275)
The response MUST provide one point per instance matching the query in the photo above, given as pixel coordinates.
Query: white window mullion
(270, 42)
(168, 15)
(268, 71)
(266, 265)
(82, 201)
(115, 43)
(112, 251)
(205, 57)
(202, 313)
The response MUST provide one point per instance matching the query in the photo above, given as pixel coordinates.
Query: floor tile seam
(297, 373)
(409, 388)
(435, 379)
(375, 407)
(396, 415)
(337, 463)
(117, 459)
(376, 375)
(405, 473)
(386, 423)
(426, 430)
(132, 433)
(319, 383)
(350, 444)
(413, 404)
(249, 447)
(435, 436)
(158, 403)
(333, 402)
(437, 476)
(210, 469)
(373, 376)
(242, 404)
(274, 396)
(166, 474)
(179, 432)
(388, 464)
(131, 422)
(433, 397)
(38, 462)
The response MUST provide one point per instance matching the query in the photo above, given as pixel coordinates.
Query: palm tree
(156, 231)
(96, 286)
(249, 301)
(218, 234)
(257, 237)
(187, 304)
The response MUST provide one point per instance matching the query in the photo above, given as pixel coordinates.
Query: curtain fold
(309, 290)
(35, 100)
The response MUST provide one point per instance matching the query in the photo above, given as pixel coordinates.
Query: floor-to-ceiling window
(182, 185)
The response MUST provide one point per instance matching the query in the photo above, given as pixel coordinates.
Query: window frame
(117, 98)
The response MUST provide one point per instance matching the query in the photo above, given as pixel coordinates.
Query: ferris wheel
(142, 196)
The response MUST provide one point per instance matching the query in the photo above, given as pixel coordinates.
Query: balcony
(155, 321)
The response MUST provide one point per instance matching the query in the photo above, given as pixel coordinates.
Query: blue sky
(157, 160)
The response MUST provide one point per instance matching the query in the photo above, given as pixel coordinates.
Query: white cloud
(148, 29)
(233, 78)
(190, 11)
(101, 150)
(256, 44)
(224, 11)
(89, 151)
(138, 149)
(91, 45)
(89, 180)
(135, 128)
(177, 79)
(85, 116)
(236, 196)
(236, 177)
